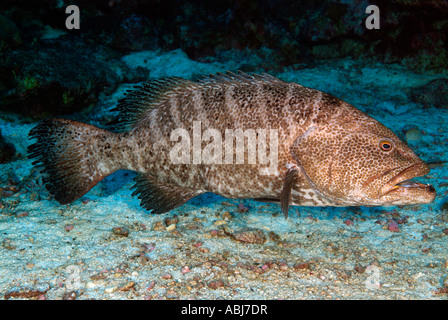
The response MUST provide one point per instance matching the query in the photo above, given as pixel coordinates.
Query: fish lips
(400, 188)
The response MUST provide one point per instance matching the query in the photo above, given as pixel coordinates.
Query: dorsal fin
(140, 100)
(241, 77)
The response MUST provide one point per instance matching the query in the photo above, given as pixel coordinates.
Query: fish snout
(400, 189)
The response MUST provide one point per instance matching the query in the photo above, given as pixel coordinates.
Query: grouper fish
(327, 152)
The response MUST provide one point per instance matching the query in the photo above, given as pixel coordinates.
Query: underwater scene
(223, 150)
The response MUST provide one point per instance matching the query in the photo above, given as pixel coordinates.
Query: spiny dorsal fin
(240, 77)
(161, 197)
(141, 99)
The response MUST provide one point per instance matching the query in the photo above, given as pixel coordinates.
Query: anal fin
(161, 197)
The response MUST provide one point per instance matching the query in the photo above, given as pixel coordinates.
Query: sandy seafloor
(54, 252)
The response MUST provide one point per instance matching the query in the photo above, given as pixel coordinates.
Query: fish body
(239, 136)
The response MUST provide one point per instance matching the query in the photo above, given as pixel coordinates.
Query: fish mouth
(401, 186)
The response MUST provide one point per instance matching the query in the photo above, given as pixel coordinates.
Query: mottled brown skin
(331, 151)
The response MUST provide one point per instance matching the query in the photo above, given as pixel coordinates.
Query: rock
(432, 94)
(226, 215)
(111, 289)
(413, 135)
(172, 220)
(292, 32)
(393, 226)
(130, 32)
(249, 236)
(72, 295)
(120, 231)
(59, 76)
(242, 208)
(158, 226)
(7, 151)
(360, 269)
(171, 227)
(27, 292)
(21, 214)
(216, 284)
(7, 243)
(219, 223)
(443, 211)
(185, 269)
(302, 266)
(127, 286)
(9, 33)
(171, 294)
(444, 206)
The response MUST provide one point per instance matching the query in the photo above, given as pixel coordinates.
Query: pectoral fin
(288, 182)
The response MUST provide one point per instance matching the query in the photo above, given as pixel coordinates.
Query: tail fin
(75, 156)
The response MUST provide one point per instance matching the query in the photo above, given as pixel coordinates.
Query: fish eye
(386, 145)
